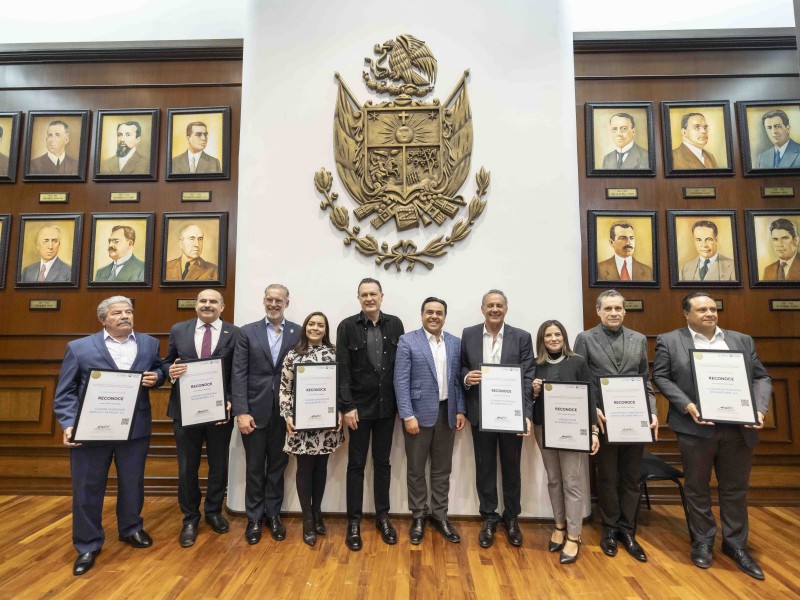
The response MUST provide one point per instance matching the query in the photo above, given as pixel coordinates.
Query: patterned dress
(313, 441)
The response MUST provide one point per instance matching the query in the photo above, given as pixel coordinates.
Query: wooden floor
(36, 558)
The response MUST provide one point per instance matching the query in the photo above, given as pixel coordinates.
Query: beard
(122, 150)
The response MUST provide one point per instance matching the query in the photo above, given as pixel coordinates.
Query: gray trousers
(565, 484)
(437, 443)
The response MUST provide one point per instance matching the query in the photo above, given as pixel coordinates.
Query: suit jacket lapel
(425, 347)
(602, 339)
(188, 334)
(263, 339)
(284, 340)
(509, 338)
(100, 344)
(224, 338)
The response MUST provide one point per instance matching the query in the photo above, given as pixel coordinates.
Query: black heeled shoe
(566, 559)
(552, 546)
(319, 524)
(309, 532)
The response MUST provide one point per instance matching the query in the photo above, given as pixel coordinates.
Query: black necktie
(620, 158)
(704, 270)
(185, 270)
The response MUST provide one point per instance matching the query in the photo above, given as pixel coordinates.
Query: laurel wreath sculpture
(403, 250)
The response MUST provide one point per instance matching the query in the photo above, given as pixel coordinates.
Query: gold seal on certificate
(108, 406)
(722, 387)
(315, 396)
(501, 399)
(566, 424)
(626, 410)
(202, 392)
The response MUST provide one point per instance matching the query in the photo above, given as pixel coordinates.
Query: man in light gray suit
(726, 448)
(49, 268)
(431, 403)
(611, 349)
(628, 155)
(709, 265)
(785, 152)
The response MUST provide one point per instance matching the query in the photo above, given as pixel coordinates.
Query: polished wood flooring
(36, 558)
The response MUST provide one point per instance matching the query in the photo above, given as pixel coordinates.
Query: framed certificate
(722, 387)
(626, 410)
(108, 406)
(202, 392)
(315, 396)
(501, 399)
(566, 424)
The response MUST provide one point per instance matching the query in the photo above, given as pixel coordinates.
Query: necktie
(704, 270)
(776, 161)
(205, 348)
(620, 158)
(114, 268)
(41, 273)
(58, 162)
(185, 270)
(193, 165)
(782, 271)
(623, 274)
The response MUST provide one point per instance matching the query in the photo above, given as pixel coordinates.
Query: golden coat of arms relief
(403, 160)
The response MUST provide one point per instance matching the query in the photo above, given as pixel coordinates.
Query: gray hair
(276, 286)
(102, 308)
(483, 300)
(608, 294)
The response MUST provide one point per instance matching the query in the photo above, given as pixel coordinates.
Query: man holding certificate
(206, 337)
(727, 447)
(611, 349)
(116, 348)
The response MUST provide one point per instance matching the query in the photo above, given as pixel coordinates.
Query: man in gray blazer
(709, 265)
(726, 448)
(195, 159)
(785, 152)
(49, 268)
(611, 349)
(431, 403)
(628, 156)
(124, 265)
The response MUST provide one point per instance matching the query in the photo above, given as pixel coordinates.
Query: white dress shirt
(200, 331)
(701, 342)
(439, 351)
(493, 349)
(122, 353)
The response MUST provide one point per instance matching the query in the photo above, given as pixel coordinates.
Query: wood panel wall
(32, 459)
(729, 68)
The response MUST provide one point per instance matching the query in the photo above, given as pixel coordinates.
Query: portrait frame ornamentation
(137, 271)
(37, 163)
(600, 147)
(684, 251)
(209, 267)
(60, 274)
(762, 247)
(139, 167)
(5, 236)
(603, 270)
(678, 159)
(215, 164)
(11, 123)
(757, 147)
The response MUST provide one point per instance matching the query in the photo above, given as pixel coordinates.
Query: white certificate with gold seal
(315, 396)
(501, 399)
(722, 387)
(108, 406)
(566, 424)
(626, 410)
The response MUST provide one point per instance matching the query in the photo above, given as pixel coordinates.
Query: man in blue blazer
(785, 152)
(117, 347)
(431, 403)
(256, 377)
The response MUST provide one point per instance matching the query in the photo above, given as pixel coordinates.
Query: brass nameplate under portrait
(195, 196)
(784, 304)
(48, 197)
(124, 197)
(186, 303)
(783, 191)
(44, 305)
(699, 192)
(622, 193)
(720, 305)
(634, 305)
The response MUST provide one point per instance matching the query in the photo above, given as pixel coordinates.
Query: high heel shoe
(552, 546)
(319, 524)
(566, 559)
(309, 533)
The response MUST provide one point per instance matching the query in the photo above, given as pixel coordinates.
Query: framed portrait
(772, 247)
(623, 248)
(620, 139)
(126, 145)
(765, 130)
(5, 235)
(697, 138)
(198, 143)
(10, 123)
(703, 248)
(194, 249)
(49, 250)
(121, 250)
(55, 146)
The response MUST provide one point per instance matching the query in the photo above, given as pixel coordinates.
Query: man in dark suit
(49, 268)
(431, 403)
(628, 155)
(785, 152)
(195, 160)
(127, 159)
(55, 161)
(494, 341)
(622, 266)
(366, 350)
(691, 154)
(611, 349)
(3, 160)
(784, 241)
(207, 336)
(117, 347)
(704, 445)
(256, 375)
(190, 266)
(124, 266)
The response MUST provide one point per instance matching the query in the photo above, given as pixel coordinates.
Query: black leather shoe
(486, 535)
(84, 562)
(743, 560)
(608, 542)
(417, 531)
(353, 537)
(319, 524)
(701, 555)
(632, 546)
(388, 533)
(253, 532)
(309, 533)
(188, 534)
(513, 532)
(218, 523)
(553, 546)
(566, 559)
(276, 528)
(140, 539)
(446, 529)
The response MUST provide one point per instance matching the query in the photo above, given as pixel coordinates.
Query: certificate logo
(548, 387)
(698, 356)
(604, 381)
(301, 369)
(96, 374)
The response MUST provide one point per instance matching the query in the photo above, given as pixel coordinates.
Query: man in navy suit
(785, 152)
(117, 347)
(431, 403)
(207, 336)
(496, 342)
(49, 268)
(256, 376)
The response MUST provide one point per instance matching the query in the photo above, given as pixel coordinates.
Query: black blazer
(572, 368)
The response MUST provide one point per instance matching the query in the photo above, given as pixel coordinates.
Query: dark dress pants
(189, 441)
(381, 431)
(266, 462)
(486, 444)
(618, 491)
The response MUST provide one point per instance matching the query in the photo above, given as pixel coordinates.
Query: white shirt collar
(499, 333)
(124, 259)
(711, 260)
(108, 335)
(620, 260)
(625, 149)
(782, 149)
(718, 334)
(214, 324)
(54, 159)
(698, 152)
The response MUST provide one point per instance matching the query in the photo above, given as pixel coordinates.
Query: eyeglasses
(203, 134)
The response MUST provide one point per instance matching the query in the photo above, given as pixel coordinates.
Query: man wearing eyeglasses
(195, 159)
(691, 154)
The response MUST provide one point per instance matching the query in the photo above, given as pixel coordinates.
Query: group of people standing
(431, 379)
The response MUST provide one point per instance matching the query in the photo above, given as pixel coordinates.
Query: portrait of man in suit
(195, 159)
(709, 264)
(3, 157)
(55, 160)
(691, 154)
(785, 152)
(627, 155)
(49, 268)
(127, 159)
(783, 234)
(124, 265)
(190, 266)
(622, 266)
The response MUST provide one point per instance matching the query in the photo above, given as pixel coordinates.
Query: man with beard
(622, 266)
(127, 159)
(124, 265)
